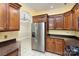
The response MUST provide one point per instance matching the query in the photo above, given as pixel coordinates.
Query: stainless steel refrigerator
(38, 36)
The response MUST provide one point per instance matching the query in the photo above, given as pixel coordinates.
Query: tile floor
(27, 51)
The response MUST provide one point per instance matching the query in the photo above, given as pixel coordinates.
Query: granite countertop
(3, 40)
(63, 33)
(63, 36)
(69, 39)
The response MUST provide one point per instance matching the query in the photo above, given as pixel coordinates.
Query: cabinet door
(51, 22)
(76, 20)
(74, 23)
(3, 18)
(43, 18)
(59, 45)
(59, 22)
(53, 44)
(14, 53)
(14, 18)
(68, 21)
(40, 18)
(50, 46)
(35, 19)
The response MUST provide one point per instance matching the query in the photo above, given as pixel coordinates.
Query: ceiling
(47, 7)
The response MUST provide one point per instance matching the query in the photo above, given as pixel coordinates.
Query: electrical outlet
(5, 36)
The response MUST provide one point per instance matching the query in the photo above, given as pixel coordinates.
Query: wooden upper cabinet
(3, 19)
(51, 22)
(56, 22)
(75, 17)
(40, 18)
(14, 16)
(43, 18)
(59, 20)
(9, 16)
(35, 19)
(74, 23)
(68, 20)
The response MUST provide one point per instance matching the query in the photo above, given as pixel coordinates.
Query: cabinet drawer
(14, 53)
(8, 49)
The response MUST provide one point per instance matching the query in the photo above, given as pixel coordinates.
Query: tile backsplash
(9, 35)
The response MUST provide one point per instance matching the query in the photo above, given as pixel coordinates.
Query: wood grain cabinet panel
(50, 45)
(56, 21)
(9, 16)
(76, 20)
(74, 24)
(59, 22)
(14, 53)
(55, 45)
(44, 18)
(35, 19)
(75, 17)
(40, 18)
(68, 20)
(3, 19)
(59, 45)
(14, 17)
(51, 22)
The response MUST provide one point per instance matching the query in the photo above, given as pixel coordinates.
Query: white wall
(25, 26)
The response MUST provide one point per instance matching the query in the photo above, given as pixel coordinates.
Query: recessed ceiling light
(51, 6)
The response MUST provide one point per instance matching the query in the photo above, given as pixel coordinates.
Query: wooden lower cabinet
(59, 46)
(13, 53)
(50, 46)
(55, 45)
